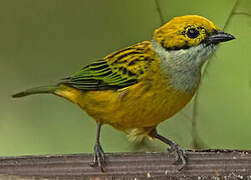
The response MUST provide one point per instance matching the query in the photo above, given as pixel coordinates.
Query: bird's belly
(134, 107)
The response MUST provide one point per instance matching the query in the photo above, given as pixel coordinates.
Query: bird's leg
(173, 148)
(99, 155)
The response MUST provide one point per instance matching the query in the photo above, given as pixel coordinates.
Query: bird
(136, 88)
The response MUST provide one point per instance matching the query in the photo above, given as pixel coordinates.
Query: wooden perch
(220, 164)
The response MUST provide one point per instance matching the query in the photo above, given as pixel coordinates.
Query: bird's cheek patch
(194, 42)
(175, 43)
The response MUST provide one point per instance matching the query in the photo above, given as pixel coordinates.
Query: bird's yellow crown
(184, 32)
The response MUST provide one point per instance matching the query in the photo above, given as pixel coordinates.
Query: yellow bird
(136, 88)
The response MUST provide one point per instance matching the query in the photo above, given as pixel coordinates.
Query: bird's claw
(180, 155)
(98, 157)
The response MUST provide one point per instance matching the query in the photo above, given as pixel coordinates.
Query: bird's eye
(193, 33)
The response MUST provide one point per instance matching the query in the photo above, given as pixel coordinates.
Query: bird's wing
(117, 70)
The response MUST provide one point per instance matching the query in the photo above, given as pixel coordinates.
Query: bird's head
(190, 35)
(183, 45)
(188, 31)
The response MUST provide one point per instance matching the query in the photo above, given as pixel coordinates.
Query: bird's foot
(180, 155)
(99, 157)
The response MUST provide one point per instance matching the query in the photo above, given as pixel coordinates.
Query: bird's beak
(219, 36)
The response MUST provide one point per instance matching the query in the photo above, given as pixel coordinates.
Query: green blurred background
(43, 41)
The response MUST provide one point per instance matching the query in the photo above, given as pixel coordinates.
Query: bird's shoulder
(133, 60)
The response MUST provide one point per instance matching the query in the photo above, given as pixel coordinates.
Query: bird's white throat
(183, 67)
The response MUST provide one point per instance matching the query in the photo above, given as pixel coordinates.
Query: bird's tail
(37, 90)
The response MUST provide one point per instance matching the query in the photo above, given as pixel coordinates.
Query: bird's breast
(144, 104)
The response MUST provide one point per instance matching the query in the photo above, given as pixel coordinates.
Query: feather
(118, 70)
